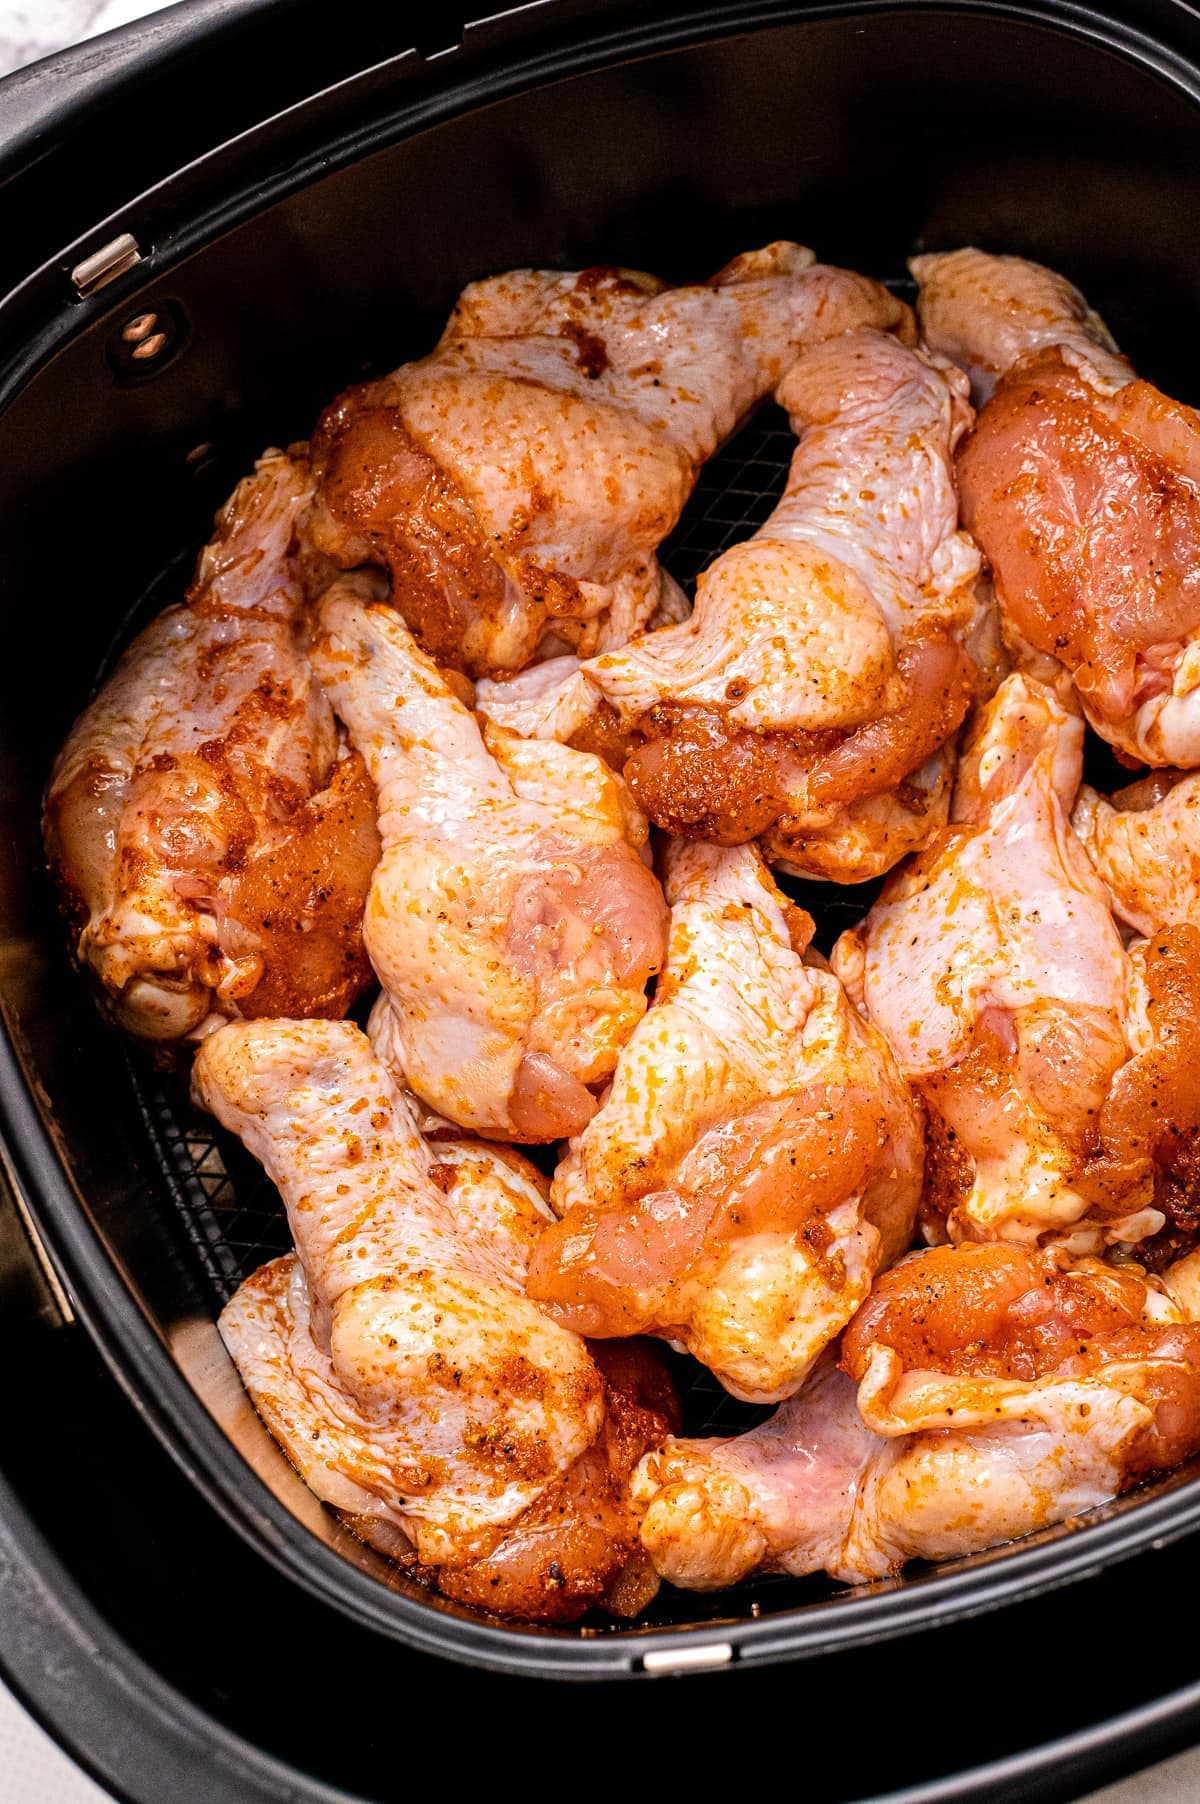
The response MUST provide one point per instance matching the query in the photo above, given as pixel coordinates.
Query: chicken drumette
(394, 1355)
(1061, 1070)
(511, 920)
(983, 1393)
(519, 480)
(1082, 486)
(1145, 843)
(212, 845)
(812, 693)
(757, 1158)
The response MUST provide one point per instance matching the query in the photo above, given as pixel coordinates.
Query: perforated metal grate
(734, 495)
(230, 1211)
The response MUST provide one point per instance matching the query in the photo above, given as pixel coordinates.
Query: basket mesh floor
(230, 1213)
(734, 495)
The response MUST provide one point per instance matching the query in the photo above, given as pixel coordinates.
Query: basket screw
(147, 342)
(138, 328)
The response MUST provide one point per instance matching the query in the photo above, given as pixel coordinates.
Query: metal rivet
(139, 328)
(147, 342)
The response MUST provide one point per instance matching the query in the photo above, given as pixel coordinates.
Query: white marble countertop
(32, 1769)
(33, 28)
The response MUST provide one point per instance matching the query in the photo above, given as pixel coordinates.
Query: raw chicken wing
(757, 1158)
(212, 846)
(519, 480)
(1082, 486)
(985, 1392)
(1061, 1071)
(811, 695)
(1145, 843)
(395, 1357)
(511, 920)
(986, 313)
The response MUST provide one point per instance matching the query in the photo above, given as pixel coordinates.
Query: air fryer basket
(330, 243)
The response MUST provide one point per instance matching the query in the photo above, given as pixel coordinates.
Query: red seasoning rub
(812, 697)
(757, 1159)
(1082, 485)
(518, 481)
(211, 838)
(512, 920)
(1060, 1066)
(984, 1392)
(395, 1357)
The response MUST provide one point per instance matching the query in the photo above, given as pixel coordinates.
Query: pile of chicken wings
(433, 720)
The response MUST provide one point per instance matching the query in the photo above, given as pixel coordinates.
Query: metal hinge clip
(106, 264)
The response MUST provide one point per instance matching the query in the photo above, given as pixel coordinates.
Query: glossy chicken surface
(757, 1158)
(811, 696)
(555, 699)
(212, 845)
(1061, 1071)
(986, 313)
(1145, 844)
(518, 481)
(395, 1357)
(511, 920)
(983, 1393)
(1082, 486)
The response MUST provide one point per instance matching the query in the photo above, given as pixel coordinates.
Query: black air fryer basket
(310, 193)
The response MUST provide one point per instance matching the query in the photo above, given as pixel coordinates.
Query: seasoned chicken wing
(757, 1158)
(212, 846)
(395, 1357)
(1060, 1070)
(985, 1392)
(555, 699)
(1145, 843)
(811, 695)
(519, 480)
(985, 313)
(511, 920)
(1082, 486)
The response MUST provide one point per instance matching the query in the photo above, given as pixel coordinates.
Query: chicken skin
(811, 695)
(212, 846)
(1060, 1070)
(984, 1392)
(511, 920)
(757, 1158)
(555, 699)
(985, 313)
(394, 1356)
(1082, 486)
(1145, 843)
(518, 481)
